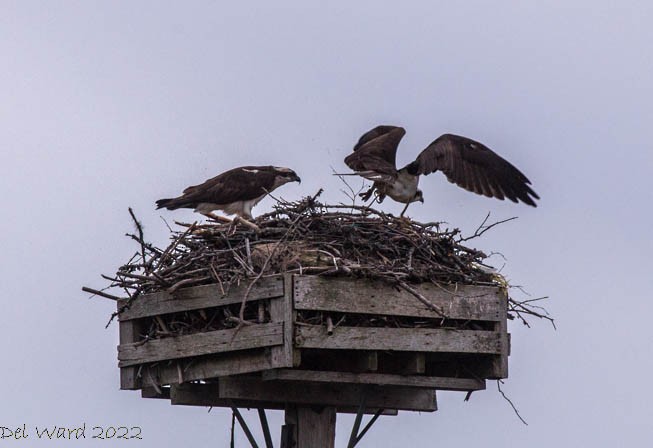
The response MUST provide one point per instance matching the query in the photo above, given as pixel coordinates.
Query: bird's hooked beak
(421, 199)
(296, 178)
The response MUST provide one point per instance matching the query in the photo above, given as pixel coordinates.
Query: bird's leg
(404, 210)
(217, 218)
(249, 224)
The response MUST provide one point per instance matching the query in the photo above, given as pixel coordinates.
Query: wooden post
(309, 427)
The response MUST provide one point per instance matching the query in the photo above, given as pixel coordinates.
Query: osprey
(234, 192)
(466, 163)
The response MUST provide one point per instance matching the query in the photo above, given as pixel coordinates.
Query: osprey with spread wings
(466, 163)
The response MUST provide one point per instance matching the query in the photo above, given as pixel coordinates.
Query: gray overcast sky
(106, 105)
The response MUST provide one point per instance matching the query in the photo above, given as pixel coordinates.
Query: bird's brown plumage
(465, 162)
(236, 186)
(375, 153)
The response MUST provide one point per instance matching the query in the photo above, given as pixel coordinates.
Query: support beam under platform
(327, 394)
(426, 382)
(208, 395)
(309, 427)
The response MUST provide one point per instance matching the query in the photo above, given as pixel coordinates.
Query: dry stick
(180, 373)
(352, 195)
(140, 235)
(162, 324)
(101, 294)
(478, 232)
(248, 251)
(153, 383)
(188, 281)
(522, 307)
(511, 404)
(422, 299)
(174, 245)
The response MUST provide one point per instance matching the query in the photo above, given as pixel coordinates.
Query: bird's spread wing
(239, 184)
(374, 154)
(474, 167)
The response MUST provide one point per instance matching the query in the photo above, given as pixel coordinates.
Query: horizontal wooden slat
(197, 297)
(252, 336)
(375, 297)
(399, 339)
(426, 382)
(326, 394)
(205, 367)
(209, 395)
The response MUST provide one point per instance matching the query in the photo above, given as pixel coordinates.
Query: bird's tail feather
(167, 203)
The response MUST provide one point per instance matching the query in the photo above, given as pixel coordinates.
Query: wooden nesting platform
(321, 341)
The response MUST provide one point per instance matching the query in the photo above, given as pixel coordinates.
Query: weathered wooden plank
(197, 297)
(252, 336)
(425, 382)
(205, 367)
(399, 339)
(128, 333)
(209, 395)
(327, 394)
(151, 392)
(281, 310)
(374, 297)
(500, 363)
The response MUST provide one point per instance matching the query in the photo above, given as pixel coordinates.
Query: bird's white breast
(240, 208)
(404, 188)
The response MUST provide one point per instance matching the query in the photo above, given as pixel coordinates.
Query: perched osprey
(234, 192)
(466, 163)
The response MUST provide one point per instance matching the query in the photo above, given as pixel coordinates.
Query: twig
(483, 228)
(139, 227)
(421, 298)
(511, 403)
(101, 294)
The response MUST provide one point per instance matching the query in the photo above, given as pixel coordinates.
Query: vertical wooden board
(413, 363)
(499, 365)
(129, 332)
(281, 310)
(368, 361)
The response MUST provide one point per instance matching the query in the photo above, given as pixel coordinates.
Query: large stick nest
(309, 237)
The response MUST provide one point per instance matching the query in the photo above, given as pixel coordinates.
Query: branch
(511, 404)
(483, 228)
